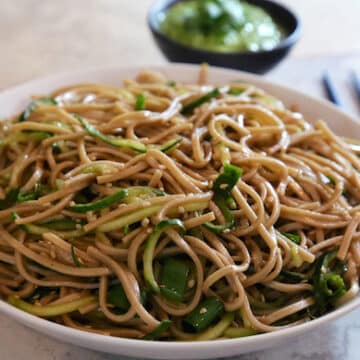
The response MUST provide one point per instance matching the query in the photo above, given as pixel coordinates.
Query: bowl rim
(286, 43)
(160, 348)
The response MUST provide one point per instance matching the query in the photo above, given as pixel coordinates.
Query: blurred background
(39, 37)
(42, 37)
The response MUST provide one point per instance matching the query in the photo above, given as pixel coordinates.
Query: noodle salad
(178, 212)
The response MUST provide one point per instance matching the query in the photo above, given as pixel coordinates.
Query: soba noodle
(172, 211)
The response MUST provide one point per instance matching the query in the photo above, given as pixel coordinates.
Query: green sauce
(221, 25)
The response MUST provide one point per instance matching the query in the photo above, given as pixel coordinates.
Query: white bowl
(15, 99)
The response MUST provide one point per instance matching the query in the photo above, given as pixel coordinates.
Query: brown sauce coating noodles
(150, 153)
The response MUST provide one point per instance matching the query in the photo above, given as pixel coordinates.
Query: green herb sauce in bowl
(221, 25)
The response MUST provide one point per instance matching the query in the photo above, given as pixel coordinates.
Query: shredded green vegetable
(111, 140)
(150, 248)
(34, 105)
(191, 106)
(143, 213)
(233, 332)
(100, 204)
(50, 310)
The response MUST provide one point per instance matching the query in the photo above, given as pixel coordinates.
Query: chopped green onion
(117, 297)
(140, 102)
(50, 310)
(217, 330)
(293, 237)
(10, 199)
(189, 108)
(222, 196)
(328, 282)
(227, 180)
(34, 105)
(331, 180)
(100, 204)
(174, 278)
(150, 248)
(158, 331)
(204, 314)
(171, 83)
(75, 258)
(332, 285)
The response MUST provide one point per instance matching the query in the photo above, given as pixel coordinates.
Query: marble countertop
(42, 37)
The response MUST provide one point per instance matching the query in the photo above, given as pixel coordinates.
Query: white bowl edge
(15, 98)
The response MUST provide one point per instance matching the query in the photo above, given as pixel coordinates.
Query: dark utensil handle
(356, 84)
(331, 91)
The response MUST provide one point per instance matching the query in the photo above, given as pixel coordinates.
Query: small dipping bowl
(256, 62)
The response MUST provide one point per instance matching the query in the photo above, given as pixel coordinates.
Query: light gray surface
(42, 37)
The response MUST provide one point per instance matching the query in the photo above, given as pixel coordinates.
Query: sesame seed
(223, 186)
(203, 311)
(181, 209)
(191, 283)
(145, 222)
(72, 203)
(78, 226)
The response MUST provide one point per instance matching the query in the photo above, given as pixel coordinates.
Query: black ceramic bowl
(257, 62)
